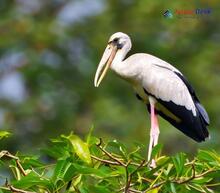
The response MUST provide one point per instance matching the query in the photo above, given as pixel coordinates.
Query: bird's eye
(116, 40)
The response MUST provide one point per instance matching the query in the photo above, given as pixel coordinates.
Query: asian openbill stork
(159, 85)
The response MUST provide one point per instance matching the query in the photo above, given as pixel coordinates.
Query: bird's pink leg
(154, 131)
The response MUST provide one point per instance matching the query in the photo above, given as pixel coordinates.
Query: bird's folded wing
(165, 85)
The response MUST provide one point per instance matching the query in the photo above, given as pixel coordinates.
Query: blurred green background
(49, 51)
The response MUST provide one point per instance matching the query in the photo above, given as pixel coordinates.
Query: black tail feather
(202, 112)
(186, 129)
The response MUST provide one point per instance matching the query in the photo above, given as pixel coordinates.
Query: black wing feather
(200, 108)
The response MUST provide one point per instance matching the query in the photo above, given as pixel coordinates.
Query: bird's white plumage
(156, 76)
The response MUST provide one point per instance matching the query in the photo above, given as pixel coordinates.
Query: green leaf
(209, 156)
(83, 189)
(155, 190)
(136, 154)
(88, 138)
(169, 168)
(156, 150)
(197, 187)
(161, 161)
(57, 149)
(99, 189)
(83, 169)
(77, 180)
(179, 161)
(33, 180)
(202, 180)
(29, 162)
(4, 134)
(116, 147)
(64, 171)
(80, 148)
(172, 187)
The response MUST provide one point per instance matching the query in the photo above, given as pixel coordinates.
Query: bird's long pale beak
(105, 63)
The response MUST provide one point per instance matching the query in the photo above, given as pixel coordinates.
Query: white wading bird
(159, 85)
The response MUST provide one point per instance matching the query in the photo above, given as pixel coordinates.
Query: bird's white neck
(122, 67)
(118, 65)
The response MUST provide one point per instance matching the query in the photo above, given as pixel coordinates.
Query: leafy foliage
(91, 165)
(52, 48)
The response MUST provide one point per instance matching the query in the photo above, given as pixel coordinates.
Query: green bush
(71, 164)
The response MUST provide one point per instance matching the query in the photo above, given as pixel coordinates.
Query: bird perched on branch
(162, 87)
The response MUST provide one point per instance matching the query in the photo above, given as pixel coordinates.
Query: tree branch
(129, 176)
(105, 161)
(109, 154)
(16, 190)
(9, 155)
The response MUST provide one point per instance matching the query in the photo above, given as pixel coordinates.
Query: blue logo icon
(168, 14)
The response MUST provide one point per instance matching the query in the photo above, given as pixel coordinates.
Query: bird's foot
(153, 164)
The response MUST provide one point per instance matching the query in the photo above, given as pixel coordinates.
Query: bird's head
(117, 41)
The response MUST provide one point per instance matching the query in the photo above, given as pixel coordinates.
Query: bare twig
(13, 189)
(136, 191)
(155, 186)
(128, 180)
(148, 180)
(142, 164)
(211, 185)
(109, 154)
(204, 173)
(20, 167)
(105, 161)
(9, 155)
(194, 176)
(129, 176)
(16, 190)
